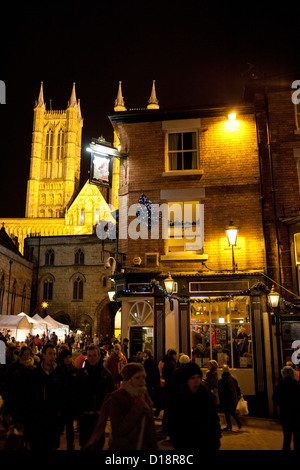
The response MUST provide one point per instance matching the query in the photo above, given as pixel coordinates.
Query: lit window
(222, 330)
(81, 216)
(182, 151)
(185, 226)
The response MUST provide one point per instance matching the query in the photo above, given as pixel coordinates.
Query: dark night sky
(198, 53)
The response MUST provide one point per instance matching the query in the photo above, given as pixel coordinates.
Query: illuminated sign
(101, 170)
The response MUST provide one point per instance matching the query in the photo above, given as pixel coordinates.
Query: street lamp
(273, 299)
(111, 295)
(170, 287)
(169, 284)
(231, 232)
(45, 305)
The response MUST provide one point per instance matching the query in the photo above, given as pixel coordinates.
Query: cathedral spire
(73, 102)
(80, 118)
(40, 102)
(119, 101)
(153, 101)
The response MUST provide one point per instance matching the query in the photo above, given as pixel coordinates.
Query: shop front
(230, 325)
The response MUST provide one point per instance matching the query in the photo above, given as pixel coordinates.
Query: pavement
(256, 434)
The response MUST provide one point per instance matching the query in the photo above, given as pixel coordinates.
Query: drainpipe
(272, 184)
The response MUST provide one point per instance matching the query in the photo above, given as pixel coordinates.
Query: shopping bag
(242, 407)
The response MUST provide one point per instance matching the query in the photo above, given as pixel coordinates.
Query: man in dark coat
(193, 419)
(94, 382)
(44, 395)
(229, 394)
(287, 397)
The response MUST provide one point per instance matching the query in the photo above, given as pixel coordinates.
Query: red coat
(115, 364)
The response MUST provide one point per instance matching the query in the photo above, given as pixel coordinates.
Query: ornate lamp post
(273, 299)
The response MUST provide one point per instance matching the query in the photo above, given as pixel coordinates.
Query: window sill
(183, 255)
(183, 173)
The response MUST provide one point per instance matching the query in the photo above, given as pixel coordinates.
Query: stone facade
(70, 274)
(15, 278)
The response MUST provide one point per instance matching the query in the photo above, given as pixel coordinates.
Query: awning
(14, 322)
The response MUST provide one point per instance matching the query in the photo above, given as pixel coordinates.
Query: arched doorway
(85, 324)
(105, 317)
(140, 322)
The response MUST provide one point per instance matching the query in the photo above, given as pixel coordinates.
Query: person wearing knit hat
(184, 359)
(287, 397)
(130, 369)
(193, 418)
(130, 412)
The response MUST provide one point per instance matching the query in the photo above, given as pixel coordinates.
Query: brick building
(278, 129)
(198, 167)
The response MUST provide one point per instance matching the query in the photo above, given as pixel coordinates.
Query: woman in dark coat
(287, 397)
(193, 418)
(229, 394)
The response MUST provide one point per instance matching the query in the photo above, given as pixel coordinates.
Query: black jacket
(93, 384)
(193, 420)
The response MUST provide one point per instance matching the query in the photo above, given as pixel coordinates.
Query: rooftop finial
(119, 101)
(73, 102)
(153, 101)
(40, 102)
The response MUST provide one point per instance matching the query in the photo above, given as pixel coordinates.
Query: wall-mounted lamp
(231, 116)
(169, 284)
(170, 287)
(111, 295)
(231, 232)
(273, 300)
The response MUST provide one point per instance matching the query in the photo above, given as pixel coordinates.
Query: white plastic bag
(242, 407)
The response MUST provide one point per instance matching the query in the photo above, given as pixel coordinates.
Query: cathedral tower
(55, 158)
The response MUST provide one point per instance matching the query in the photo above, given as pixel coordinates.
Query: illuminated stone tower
(55, 159)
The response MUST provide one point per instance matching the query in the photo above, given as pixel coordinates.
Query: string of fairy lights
(154, 284)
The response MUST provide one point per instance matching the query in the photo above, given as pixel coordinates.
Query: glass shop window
(221, 330)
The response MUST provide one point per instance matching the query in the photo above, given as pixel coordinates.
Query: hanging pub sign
(101, 170)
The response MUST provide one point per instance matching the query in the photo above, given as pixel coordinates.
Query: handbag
(242, 407)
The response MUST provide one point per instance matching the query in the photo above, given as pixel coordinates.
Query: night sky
(199, 53)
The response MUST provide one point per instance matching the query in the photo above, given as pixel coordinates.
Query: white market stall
(39, 326)
(18, 326)
(59, 328)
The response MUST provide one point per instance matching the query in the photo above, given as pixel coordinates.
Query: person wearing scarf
(130, 412)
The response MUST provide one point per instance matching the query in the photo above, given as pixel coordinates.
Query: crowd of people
(46, 391)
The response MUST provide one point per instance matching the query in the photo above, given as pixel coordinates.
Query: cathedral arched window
(49, 257)
(79, 257)
(78, 289)
(48, 289)
(49, 145)
(60, 145)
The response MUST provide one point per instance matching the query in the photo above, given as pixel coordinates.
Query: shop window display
(221, 330)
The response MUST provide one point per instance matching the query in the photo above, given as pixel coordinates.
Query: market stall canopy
(55, 323)
(43, 320)
(14, 322)
(37, 324)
